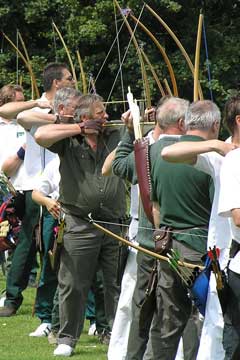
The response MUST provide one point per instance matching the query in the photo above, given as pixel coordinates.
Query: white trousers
(117, 349)
(211, 347)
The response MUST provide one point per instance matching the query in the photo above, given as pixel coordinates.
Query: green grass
(15, 344)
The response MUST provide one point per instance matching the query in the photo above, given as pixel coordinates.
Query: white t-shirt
(48, 182)
(219, 233)
(134, 201)
(230, 189)
(12, 137)
(36, 157)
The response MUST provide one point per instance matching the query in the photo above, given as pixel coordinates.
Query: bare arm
(48, 135)
(27, 119)
(53, 206)
(236, 216)
(107, 166)
(11, 165)
(186, 152)
(11, 109)
(156, 214)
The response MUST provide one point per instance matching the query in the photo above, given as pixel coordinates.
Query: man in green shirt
(184, 196)
(124, 166)
(82, 148)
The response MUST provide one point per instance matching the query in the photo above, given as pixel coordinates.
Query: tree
(90, 27)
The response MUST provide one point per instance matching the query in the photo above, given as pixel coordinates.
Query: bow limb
(154, 74)
(179, 44)
(167, 87)
(68, 54)
(137, 247)
(143, 70)
(197, 58)
(21, 56)
(83, 75)
(147, 88)
(162, 51)
(33, 79)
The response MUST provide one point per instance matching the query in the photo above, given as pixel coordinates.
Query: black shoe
(7, 311)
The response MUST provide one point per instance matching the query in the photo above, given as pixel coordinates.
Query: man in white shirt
(229, 206)
(12, 142)
(55, 76)
(121, 327)
(12, 135)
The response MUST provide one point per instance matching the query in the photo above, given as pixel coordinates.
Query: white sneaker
(92, 330)
(2, 301)
(63, 350)
(42, 330)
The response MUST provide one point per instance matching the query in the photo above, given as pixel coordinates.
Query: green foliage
(89, 26)
(174, 6)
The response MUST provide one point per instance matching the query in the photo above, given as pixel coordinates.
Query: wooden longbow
(162, 51)
(33, 79)
(144, 74)
(179, 44)
(197, 58)
(83, 76)
(68, 54)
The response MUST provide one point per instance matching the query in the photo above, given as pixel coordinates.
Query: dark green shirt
(83, 189)
(124, 166)
(183, 194)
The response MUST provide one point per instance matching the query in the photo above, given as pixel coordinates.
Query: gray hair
(64, 96)
(86, 103)
(171, 111)
(202, 115)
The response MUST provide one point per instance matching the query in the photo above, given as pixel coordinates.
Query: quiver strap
(141, 150)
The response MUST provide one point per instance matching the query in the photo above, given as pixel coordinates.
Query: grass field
(15, 344)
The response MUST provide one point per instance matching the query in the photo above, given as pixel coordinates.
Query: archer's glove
(89, 127)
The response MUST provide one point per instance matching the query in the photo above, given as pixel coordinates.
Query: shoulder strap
(141, 151)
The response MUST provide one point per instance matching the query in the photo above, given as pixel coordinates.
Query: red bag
(10, 225)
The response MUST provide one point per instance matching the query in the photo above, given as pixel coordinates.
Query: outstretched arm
(28, 119)
(186, 152)
(11, 109)
(48, 135)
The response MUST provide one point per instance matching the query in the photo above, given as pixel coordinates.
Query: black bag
(19, 204)
(123, 251)
(163, 240)
(148, 305)
(55, 252)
